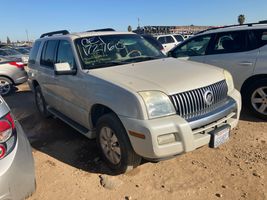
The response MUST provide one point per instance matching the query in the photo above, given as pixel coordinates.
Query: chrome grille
(192, 103)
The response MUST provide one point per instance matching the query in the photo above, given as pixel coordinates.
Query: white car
(242, 50)
(170, 41)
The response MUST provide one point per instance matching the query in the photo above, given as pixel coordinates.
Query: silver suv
(118, 88)
(240, 49)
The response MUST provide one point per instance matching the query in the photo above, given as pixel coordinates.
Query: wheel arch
(5, 76)
(250, 80)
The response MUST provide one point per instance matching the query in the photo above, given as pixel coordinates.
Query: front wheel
(256, 98)
(114, 145)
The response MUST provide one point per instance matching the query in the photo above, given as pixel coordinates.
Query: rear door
(231, 51)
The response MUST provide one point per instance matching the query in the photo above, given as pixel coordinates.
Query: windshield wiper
(108, 64)
(142, 58)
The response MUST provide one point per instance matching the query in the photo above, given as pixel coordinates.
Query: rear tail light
(19, 65)
(7, 135)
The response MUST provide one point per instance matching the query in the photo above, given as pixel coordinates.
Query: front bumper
(17, 178)
(189, 135)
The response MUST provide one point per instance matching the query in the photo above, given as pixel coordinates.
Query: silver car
(13, 54)
(17, 179)
(11, 73)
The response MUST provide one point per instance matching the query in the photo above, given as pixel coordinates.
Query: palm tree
(241, 19)
(130, 28)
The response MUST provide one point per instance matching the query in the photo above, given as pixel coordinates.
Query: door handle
(245, 63)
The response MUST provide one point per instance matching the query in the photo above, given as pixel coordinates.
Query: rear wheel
(256, 98)
(114, 145)
(6, 86)
(40, 102)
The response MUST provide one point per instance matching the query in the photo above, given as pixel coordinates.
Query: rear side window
(230, 42)
(257, 38)
(169, 39)
(48, 53)
(34, 52)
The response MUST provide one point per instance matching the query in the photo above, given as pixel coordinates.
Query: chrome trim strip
(228, 107)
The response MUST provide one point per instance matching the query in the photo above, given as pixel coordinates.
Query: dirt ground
(68, 166)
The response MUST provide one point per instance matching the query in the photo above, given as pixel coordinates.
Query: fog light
(166, 139)
(2, 151)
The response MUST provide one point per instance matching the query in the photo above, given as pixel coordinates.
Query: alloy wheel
(259, 100)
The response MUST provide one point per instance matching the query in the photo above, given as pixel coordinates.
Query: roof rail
(62, 32)
(234, 25)
(101, 30)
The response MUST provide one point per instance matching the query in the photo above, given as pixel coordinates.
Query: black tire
(251, 92)
(128, 158)
(8, 88)
(40, 102)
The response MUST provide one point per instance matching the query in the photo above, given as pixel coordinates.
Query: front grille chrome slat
(193, 103)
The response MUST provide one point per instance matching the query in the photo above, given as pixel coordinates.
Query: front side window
(195, 47)
(65, 54)
(48, 53)
(112, 50)
(229, 42)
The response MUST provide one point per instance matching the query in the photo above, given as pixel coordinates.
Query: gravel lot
(68, 166)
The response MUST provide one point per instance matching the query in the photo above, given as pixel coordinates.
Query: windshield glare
(110, 50)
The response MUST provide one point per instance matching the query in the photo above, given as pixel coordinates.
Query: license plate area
(219, 136)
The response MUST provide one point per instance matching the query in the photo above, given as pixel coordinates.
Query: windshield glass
(111, 50)
(10, 52)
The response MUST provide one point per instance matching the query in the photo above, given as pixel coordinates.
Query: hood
(167, 75)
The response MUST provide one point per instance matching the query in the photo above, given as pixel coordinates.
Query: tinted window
(257, 38)
(179, 38)
(193, 47)
(169, 39)
(3, 53)
(48, 53)
(34, 52)
(65, 53)
(162, 40)
(230, 42)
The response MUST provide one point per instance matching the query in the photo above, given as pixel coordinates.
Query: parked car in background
(170, 41)
(17, 177)
(22, 50)
(12, 54)
(153, 41)
(242, 50)
(12, 73)
(118, 88)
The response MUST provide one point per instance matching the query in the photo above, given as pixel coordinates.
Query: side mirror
(64, 69)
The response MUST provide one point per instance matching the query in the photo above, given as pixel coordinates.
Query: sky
(36, 17)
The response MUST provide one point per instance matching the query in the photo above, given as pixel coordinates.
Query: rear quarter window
(34, 52)
(257, 38)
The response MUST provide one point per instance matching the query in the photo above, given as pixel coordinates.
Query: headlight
(157, 104)
(229, 80)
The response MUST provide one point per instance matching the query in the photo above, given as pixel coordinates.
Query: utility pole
(27, 35)
(138, 22)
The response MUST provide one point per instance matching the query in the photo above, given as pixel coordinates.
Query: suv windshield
(111, 50)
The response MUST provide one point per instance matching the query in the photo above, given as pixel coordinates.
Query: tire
(256, 98)
(6, 86)
(114, 145)
(40, 102)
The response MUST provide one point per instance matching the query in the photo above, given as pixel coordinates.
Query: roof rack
(234, 25)
(101, 30)
(62, 32)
